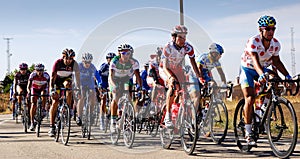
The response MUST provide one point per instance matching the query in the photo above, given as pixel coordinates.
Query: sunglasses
(270, 28)
(87, 62)
(126, 53)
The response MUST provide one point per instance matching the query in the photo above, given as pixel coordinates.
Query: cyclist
(173, 59)
(261, 51)
(207, 61)
(158, 84)
(38, 84)
(20, 85)
(121, 71)
(103, 86)
(87, 76)
(62, 78)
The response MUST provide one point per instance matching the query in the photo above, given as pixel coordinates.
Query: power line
(8, 55)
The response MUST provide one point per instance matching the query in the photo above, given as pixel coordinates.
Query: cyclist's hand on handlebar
(202, 80)
(262, 79)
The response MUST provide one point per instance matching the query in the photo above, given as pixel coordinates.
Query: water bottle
(175, 108)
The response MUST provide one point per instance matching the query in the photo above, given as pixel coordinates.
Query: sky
(42, 29)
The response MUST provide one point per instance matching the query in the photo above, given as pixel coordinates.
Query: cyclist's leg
(33, 110)
(52, 113)
(103, 97)
(80, 107)
(114, 108)
(248, 89)
(68, 84)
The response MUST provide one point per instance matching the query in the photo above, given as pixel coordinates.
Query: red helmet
(179, 29)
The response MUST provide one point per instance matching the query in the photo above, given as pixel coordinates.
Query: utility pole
(181, 12)
(293, 52)
(8, 55)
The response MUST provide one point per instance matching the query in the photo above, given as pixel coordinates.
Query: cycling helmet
(23, 66)
(39, 67)
(87, 57)
(179, 29)
(146, 64)
(110, 55)
(68, 53)
(216, 48)
(265, 21)
(125, 47)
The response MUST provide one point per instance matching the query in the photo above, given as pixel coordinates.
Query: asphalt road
(15, 144)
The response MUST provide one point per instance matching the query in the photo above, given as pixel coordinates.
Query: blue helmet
(265, 21)
(216, 48)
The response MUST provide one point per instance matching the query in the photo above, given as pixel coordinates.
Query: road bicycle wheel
(239, 127)
(89, 122)
(166, 135)
(25, 117)
(218, 121)
(189, 129)
(84, 122)
(282, 128)
(65, 125)
(129, 125)
(38, 119)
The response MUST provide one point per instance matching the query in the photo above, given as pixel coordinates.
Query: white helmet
(87, 57)
(179, 29)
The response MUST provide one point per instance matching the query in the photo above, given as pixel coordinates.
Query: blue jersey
(103, 72)
(207, 65)
(144, 75)
(87, 76)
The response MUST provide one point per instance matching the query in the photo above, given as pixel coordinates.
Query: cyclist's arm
(52, 79)
(138, 77)
(98, 78)
(222, 75)
(256, 64)
(111, 77)
(77, 74)
(29, 85)
(194, 65)
(15, 85)
(165, 68)
(279, 65)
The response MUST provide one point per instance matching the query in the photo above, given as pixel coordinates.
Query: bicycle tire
(288, 128)
(219, 122)
(239, 127)
(65, 125)
(84, 122)
(166, 135)
(189, 129)
(39, 119)
(129, 125)
(25, 118)
(89, 122)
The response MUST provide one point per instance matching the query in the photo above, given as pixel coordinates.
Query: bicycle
(86, 127)
(23, 110)
(126, 123)
(39, 112)
(185, 124)
(278, 120)
(213, 121)
(63, 118)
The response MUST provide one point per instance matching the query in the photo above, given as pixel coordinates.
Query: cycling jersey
(144, 76)
(63, 71)
(103, 72)
(254, 44)
(87, 75)
(39, 83)
(124, 70)
(175, 56)
(207, 64)
(22, 80)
